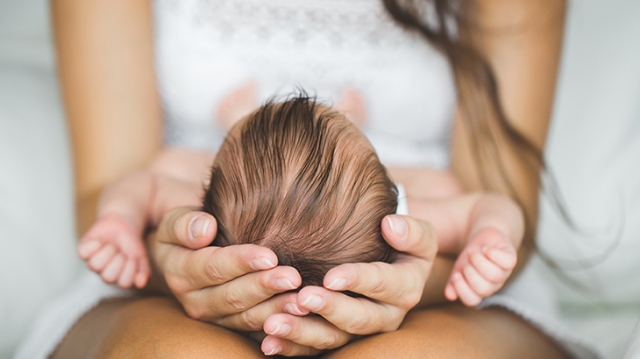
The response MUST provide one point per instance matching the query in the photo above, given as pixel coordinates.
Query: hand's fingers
(503, 258)
(399, 283)
(187, 270)
(128, 272)
(359, 316)
(410, 235)
(309, 331)
(272, 345)
(450, 291)
(478, 283)
(240, 294)
(112, 270)
(99, 260)
(186, 227)
(488, 269)
(253, 318)
(88, 248)
(143, 272)
(465, 293)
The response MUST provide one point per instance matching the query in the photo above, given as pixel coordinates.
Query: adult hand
(390, 290)
(215, 283)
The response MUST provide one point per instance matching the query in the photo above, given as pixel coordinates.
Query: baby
(301, 179)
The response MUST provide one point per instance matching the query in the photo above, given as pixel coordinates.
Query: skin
(482, 230)
(105, 60)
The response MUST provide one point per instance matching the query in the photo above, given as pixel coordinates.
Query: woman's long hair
(446, 24)
(478, 101)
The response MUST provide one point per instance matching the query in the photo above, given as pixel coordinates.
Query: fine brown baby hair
(300, 179)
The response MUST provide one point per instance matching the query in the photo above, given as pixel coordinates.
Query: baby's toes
(478, 283)
(101, 258)
(112, 271)
(488, 269)
(504, 258)
(128, 273)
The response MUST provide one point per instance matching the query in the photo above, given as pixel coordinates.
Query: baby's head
(300, 179)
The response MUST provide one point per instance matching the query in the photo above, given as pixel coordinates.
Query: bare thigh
(151, 327)
(158, 328)
(454, 331)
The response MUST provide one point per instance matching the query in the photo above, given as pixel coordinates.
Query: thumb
(410, 235)
(184, 226)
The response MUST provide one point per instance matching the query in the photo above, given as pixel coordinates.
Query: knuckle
(393, 325)
(213, 273)
(358, 326)
(193, 311)
(379, 287)
(328, 342)
(307, 351)
(249, 321)
(409, 301)
(234, 300)
(176, 284)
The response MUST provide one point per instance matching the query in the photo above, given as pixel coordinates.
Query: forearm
(130, 198)
(426, 183)
(456, 217)
(105, 63)
(500, 213)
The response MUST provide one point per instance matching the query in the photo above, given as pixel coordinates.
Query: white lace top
(206, 49)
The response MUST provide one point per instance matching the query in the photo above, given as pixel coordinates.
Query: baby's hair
(298, 178)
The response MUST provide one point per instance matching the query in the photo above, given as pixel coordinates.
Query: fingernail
(291, 308)
(274, 351)
(398, 225)
(338, 284)
(485, 249)
(281, 329)
(262, 263)
(284, 283)
(313, 302)
(198, 227)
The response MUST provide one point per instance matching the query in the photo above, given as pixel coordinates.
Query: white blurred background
(594, 151)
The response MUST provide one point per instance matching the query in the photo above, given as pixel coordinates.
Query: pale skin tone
(105, 59)
(484, 230)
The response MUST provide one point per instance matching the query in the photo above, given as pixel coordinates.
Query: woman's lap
(152, 327)
(454, 331)
(157, 327)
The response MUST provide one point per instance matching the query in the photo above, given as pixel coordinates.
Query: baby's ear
(353, 106)
(236, 105)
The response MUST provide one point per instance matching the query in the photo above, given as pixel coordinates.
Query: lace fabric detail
(338, 23)
(207, 48)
